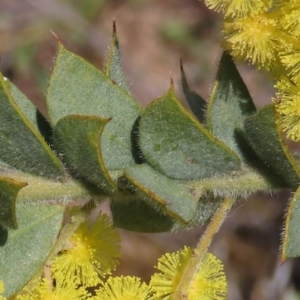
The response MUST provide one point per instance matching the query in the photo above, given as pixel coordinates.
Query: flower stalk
(201, 250)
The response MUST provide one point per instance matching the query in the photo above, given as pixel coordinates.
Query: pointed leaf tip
(55, 36)
(196, 103)
(229, 105)
(171, 88)
(113, 62)
(114, 27)
(184, 82)
(181, 64)
(78, 88)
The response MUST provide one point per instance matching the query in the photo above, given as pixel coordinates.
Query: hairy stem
(202, 247)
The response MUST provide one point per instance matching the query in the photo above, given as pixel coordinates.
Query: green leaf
(265, 138)
(136, 214)
(9, 189)
(143, 207)
(291, 237)
(195, 102)
(166, 194)
(113, 68)
(177, 145)
(24, 251)
(31, 112)
(21, 145)
(229, 105)
(26, 106)
(78, 88)
(78, 140)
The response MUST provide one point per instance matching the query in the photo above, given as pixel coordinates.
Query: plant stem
(201, 249)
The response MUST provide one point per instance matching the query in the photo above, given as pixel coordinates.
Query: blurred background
(153, 36)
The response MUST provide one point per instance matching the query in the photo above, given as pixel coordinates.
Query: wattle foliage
(163, 168)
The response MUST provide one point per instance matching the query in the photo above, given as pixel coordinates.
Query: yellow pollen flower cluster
(289, 15)
(43, 290)
(209, 283)
(124, 288)
(238, 8)
(266, 33)
(171, 267)
(91, 252)
(254, 38)
(289, 107)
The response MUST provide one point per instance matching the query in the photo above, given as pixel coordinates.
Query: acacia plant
(163, 168)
